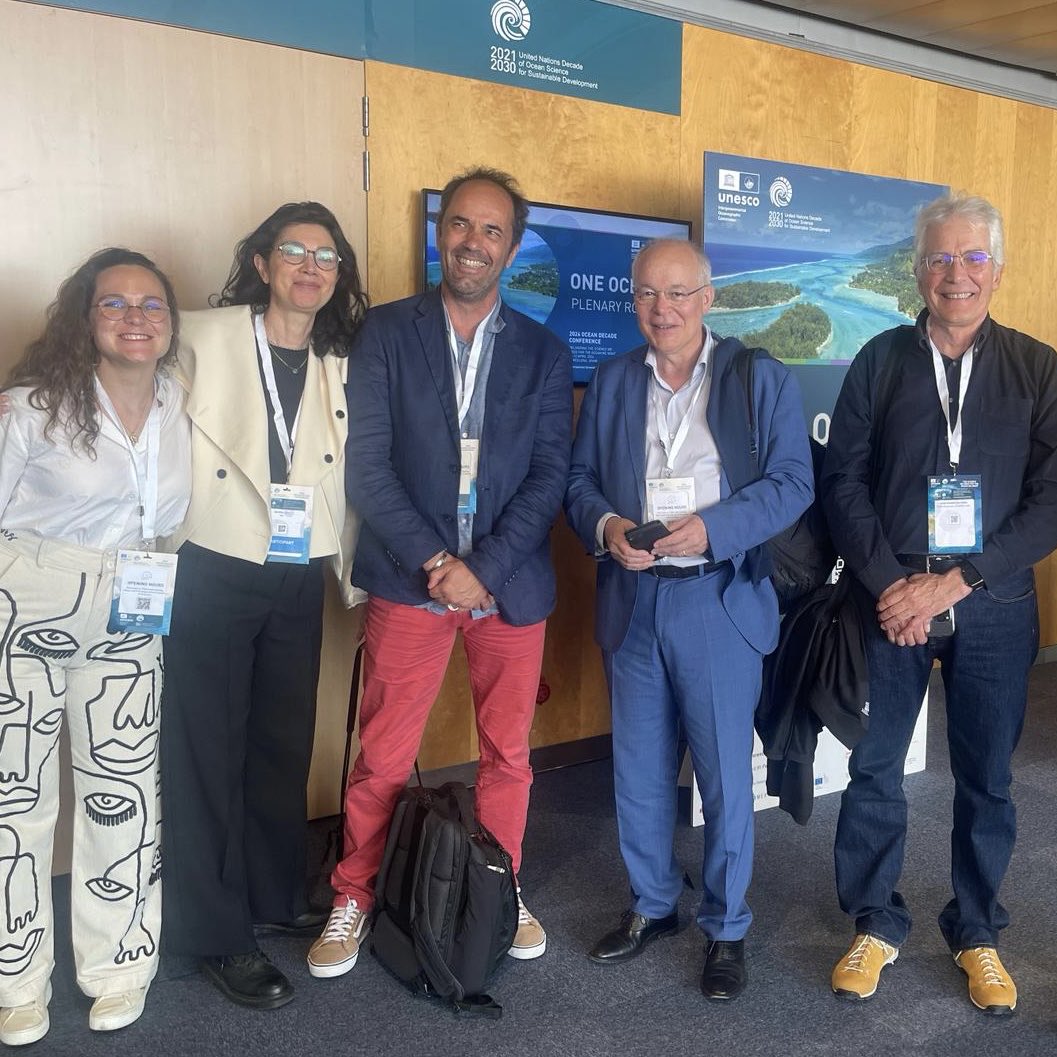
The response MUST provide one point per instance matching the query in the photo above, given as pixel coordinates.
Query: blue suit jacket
(402, 459)
(609, 469)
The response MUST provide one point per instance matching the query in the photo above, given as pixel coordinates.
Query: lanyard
(464, 387)
(954, 436)
(264, 352)
(145, 476)
(672, 445)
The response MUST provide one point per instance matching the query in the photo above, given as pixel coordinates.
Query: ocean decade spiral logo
(511, 19)
(781, 192)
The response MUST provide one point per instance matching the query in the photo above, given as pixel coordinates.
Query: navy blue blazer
(402, 458)
(608, 474)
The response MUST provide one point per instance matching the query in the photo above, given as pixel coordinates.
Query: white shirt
(698, 456)
(56, 490)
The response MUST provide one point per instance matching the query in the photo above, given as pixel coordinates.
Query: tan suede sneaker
(991, 988)
(530, 941)
(857, 974)
(336, 951)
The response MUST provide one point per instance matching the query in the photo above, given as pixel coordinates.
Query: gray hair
(703, 263)
(976, 210)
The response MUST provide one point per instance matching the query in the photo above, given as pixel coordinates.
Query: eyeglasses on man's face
(972, 260)
(326, 257)
(646, 295)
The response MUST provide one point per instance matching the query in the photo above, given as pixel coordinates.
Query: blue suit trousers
(683, 664)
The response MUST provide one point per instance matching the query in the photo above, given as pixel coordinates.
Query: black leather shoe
(249, 980)
(310, 923)
(629, 938)
(724, 975)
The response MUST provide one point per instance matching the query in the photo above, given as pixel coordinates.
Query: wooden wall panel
(175, 143)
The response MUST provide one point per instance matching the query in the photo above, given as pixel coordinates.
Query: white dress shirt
(56, 490)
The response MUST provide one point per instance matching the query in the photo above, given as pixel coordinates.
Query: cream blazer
(230, 476)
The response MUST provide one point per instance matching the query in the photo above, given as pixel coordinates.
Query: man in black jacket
(940, 519)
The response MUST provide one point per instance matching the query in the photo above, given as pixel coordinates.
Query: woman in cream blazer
(242, 659)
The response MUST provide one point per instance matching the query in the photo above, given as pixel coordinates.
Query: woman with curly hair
(95, 465)
(265, 374)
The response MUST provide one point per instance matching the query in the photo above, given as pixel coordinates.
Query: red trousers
(405, 658)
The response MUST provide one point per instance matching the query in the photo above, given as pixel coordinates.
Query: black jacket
(1009, 439)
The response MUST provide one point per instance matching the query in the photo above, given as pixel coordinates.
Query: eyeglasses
(116, 308)
(326, 257)
(645, 295)
(972, 260)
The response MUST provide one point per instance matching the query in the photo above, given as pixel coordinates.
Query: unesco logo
(511, 19)
(781, 192)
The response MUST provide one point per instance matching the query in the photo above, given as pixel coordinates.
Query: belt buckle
(940, 561)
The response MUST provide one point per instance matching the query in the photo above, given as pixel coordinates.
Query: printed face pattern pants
(58, 660)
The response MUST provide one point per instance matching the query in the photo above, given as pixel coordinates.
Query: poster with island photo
(810, 263)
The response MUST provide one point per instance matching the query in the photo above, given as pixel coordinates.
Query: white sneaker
(21, 1025)
(530, 941)
(110, 1012)
(336, 951)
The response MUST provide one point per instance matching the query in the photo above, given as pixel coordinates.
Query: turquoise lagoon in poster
(810, 263)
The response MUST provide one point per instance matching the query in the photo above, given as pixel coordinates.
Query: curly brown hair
(59, 366)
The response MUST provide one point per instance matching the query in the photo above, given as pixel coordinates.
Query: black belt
(929, 563)
(684, 572)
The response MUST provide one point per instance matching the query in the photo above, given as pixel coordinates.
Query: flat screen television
(572, 273)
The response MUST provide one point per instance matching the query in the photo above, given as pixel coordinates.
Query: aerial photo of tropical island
(810, 263)
(818, 310)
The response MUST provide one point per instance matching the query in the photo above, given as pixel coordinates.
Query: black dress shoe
(724, 975)
(632, 934)
(310, 923)
(249, 979)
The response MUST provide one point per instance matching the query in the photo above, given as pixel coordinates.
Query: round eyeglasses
(117, 308)
(326, 257)
(972, 260)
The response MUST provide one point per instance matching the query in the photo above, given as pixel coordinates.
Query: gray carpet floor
(561, 1004)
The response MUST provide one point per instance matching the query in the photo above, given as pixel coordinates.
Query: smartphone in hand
(643, 537)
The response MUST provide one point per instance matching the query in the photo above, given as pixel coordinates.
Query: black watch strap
(973, 580)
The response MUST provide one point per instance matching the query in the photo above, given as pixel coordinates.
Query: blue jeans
(985, 666)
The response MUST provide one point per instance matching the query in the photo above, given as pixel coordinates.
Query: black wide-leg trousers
(238, 718)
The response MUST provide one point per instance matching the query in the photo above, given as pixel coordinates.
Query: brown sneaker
(857, 974)
(991, 988)
(336, 951)
(530, 941)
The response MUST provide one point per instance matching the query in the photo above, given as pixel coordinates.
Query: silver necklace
(289, 366)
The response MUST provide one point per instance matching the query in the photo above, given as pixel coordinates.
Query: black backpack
(446, 901)
(802, 556)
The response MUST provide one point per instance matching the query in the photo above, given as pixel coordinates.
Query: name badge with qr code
(143, 592)
(291, 517)
(955, 515)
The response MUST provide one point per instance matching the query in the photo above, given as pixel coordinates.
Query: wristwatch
(971, 575)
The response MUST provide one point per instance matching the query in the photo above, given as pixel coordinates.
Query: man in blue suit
(460, 418)
(684, 622)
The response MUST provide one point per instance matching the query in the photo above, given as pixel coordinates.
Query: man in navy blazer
(460, 419)
(684, 622)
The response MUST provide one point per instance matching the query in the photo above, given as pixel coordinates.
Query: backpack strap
(745, 368)
(478, 1006)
